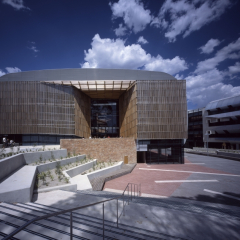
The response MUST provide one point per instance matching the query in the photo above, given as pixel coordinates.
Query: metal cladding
(152, 105)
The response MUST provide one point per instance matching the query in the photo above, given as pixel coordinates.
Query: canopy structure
(111, 89)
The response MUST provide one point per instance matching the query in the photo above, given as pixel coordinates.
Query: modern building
(221, 123)
(195, 129)
(42, 107)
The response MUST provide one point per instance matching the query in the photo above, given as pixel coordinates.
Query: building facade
(195, 129)
(42, 107)
(221, 123)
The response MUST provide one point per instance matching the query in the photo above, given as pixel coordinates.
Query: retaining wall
(80, 169)
(11, 164)
(48, 166)
(103, 149)
(32, 157)
(104, 171)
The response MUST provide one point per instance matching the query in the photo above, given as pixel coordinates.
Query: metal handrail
(71, 210)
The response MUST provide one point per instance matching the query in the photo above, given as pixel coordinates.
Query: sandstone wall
(103, 149)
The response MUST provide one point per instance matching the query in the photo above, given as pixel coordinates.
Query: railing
(131, 189)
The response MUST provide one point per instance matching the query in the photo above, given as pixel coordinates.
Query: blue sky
(196, 40)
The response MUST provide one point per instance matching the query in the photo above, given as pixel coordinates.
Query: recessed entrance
(104, 118)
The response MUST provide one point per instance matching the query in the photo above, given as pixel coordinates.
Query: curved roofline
(224, 103)
(86, 74)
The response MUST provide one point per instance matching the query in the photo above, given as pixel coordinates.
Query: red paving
(148, 178)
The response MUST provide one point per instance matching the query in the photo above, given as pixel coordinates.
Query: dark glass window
(104, 118)
(165, 151)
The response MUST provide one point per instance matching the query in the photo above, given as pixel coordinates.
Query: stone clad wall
(103, 149)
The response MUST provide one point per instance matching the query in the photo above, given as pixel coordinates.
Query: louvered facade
(41, 107)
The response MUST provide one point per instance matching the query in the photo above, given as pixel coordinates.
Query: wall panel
(161, 109)
(128, 113)
(34, 107)
(82, 114)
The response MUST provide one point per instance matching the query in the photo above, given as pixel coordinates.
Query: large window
(104, 118)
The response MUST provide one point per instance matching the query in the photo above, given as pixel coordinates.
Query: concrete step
(84, 226)
(190, 206)
(50, 227)
(122, 231)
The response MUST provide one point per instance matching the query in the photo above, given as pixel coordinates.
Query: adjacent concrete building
(221, 123)
(195, 128)
(42, 107)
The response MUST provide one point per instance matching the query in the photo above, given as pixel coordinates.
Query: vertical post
(128, 195)
(117, 212)
(207, 143)
(131, 191)
(140, 190)
(134, 190)
(103, 221)
(71, 226)
(123, 205)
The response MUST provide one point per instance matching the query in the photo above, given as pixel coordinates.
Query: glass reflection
(104, 118)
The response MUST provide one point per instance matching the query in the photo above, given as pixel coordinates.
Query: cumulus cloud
(121, 30)
(231, 51)
(9, 70)
(205, 84)
(184, 17)
(2, 73)
(234, 69)
(110, 53)
(171, 66)
(142, 40)
(209, 46)
(203, 95)
(133, 13)
(13, 69)
(16, 4)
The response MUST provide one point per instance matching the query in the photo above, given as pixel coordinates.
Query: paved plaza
(201, 178)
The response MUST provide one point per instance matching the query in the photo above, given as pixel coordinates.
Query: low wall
(104, 171)
(48, 166)
(11, 164)
(32, 157)
(80, 169)
(103, 149)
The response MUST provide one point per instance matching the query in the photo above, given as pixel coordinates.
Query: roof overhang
(99, 89)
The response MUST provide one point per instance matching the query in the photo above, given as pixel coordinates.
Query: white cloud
(234, 69)
(32, 47)
(9, 70)
(110, 53)
(13, 69)
(142, 40)
(121, 30)
(186, 17)
(2, 73)
(208, 86)
(16, 4)
(171, 66)
(133, 13)
(209, 46)
(231, 51)
(203, 95)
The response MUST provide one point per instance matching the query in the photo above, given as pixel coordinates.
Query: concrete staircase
(144, 218)
(84, 226)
